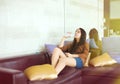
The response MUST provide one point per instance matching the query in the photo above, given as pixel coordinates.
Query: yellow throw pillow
(87, 60)
(39, 72)
(102, 60)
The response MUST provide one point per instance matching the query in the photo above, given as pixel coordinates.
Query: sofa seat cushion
(67, 76)
(107, 71)
(101, 75)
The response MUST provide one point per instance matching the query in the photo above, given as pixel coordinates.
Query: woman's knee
(57, 49)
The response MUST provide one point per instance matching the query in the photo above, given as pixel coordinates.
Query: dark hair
(76, 44)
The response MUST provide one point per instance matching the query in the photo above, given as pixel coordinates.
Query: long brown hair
(93, 34)
(76, 44)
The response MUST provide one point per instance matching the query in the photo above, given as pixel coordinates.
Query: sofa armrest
(12, 76)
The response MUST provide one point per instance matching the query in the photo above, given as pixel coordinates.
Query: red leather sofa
(11, 72)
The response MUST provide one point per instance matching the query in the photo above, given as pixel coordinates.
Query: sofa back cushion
(22, 62)
(111, 44)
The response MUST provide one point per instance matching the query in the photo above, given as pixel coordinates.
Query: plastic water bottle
(69, 35)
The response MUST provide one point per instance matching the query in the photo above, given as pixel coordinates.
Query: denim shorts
(79, 63)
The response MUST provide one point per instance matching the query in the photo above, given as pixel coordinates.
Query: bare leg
(63, 61)
(57, 53)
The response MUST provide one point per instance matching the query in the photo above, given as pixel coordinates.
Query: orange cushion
(39, 72)
(102, 60)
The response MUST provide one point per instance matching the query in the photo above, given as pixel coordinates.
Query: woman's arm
(71, 55)
(61, 44)
(81, 55)
(68, 35)
(85, 52)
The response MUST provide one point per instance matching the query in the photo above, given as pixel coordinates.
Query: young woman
(93, 34)
(73, 54)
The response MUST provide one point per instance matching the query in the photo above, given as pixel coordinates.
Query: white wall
(115, 9)
(26, 25)
(84, 13)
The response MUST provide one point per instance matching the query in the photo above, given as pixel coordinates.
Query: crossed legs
(59, 60)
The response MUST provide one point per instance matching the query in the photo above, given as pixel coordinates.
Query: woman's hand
(68, 55)
(68, 35)
(71, 55)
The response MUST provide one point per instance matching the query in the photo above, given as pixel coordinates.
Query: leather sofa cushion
(101, 75)
(68, 75)
(107, 71)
